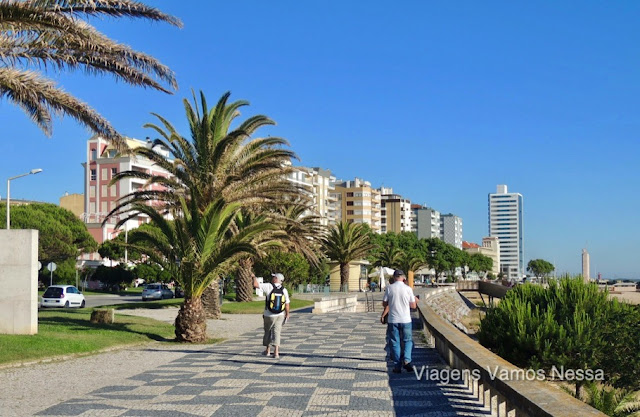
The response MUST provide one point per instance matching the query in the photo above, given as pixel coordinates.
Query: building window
(349, 212)
(114, 171)
(94, 175)
(94, 154)
(349, 194)
(349, 203)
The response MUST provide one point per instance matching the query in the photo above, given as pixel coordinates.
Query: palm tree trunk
(244, 281)
(211, 301)
(191, 324)
(344, 276)
(410, 278)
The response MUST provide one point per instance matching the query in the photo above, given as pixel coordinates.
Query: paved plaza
(330, 365)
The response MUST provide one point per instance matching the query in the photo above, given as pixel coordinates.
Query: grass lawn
(68, 332)
(257, 307)
(171, 302)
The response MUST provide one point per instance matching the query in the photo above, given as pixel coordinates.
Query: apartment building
(505, 223)
(357, 202)
(490, 247)
(396, 214)
(100, 197)
(451, 229)
(319, 185)
(74, 203)
(425, 221)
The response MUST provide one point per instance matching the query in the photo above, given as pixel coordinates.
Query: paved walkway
(330, 365)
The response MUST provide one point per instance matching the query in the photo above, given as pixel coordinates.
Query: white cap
(279, 276)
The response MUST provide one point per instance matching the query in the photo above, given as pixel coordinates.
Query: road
(110, 299)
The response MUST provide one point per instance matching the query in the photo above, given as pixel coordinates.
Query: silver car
(156, 292)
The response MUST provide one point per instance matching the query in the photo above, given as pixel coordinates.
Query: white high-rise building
(451, 229)
(319, 185)
(505, 223)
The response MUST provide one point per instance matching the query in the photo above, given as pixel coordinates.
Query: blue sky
(440, 100)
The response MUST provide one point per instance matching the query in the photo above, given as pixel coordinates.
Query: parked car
(62, 296)
(179, 292)
(156, 292)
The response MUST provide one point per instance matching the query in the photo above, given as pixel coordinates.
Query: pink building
(102, 163)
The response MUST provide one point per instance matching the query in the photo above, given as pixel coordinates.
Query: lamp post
(33, 171)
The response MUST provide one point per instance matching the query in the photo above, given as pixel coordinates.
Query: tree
(480, 263)
(213, 174)
(438, 256)
(296, 230)
(197, 249)
(52, 34)
(570, 324)
(293, 266)
(111, 250)
(62, 235)
(344, 243)
(540, 267)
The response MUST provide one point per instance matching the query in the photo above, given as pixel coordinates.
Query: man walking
(397, 301)
(276, 312)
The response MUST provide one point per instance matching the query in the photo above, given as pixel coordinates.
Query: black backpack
(275, 300)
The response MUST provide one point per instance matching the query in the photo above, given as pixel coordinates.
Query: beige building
(396, 214)
(357, 275)
(74, 203)
(318, 185)
(357, 202)
(490, 247)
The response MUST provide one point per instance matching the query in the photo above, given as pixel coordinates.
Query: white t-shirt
(399, 295)
(267, 288)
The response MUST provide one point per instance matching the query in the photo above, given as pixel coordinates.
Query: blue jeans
(401, 342)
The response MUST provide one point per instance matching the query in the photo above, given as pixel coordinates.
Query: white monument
(585, 265)
(19, 281)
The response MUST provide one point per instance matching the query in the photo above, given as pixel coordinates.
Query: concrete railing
(500, 385)
(345, 304)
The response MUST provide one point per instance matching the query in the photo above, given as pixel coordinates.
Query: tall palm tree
(196, 248)
(347, 242)
(51, 33)
(215, 163)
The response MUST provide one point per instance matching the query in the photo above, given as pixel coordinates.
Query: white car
(62, 296)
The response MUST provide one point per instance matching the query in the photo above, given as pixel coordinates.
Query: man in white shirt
(276, 312)
(397, 301)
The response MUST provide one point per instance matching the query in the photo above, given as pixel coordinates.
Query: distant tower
(505, 223)
(585, 265)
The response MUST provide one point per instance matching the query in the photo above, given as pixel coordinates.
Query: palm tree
(345, 243)
(410, 263)
(50, 33)
(297, 230)
(196, 248)
(216, 163)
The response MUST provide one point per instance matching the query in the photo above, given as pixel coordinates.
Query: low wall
(507, 396)
(19, 281)
(344, 304)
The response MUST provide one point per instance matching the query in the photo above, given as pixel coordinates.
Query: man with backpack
(276, 312)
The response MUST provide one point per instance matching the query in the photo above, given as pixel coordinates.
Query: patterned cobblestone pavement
(330, 365)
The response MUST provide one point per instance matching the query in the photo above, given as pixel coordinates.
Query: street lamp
(33, 171)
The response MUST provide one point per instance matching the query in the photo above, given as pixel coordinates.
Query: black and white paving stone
(330, 365)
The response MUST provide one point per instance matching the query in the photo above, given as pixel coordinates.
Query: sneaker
(397, 370)
(408, 366)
